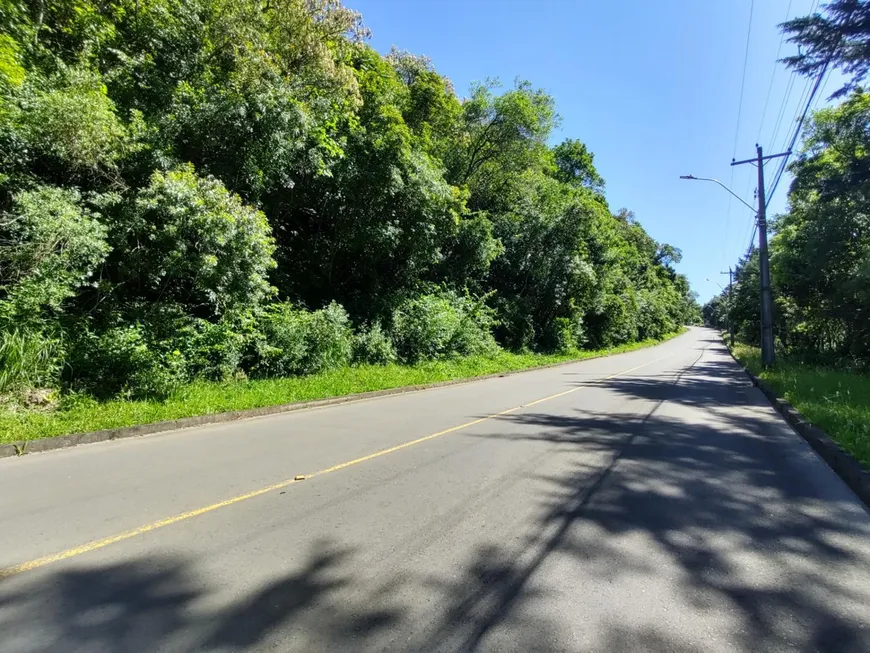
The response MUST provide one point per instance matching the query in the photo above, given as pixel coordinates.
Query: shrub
(282, 349)
(424, 326)
(297, 341)
(329, 339)
(473, 336)
(432, 326)
(373, 346)
(618, 319)
(212, 351)
(654, 319)
(564, 334)
(75, 123)
(122, 361)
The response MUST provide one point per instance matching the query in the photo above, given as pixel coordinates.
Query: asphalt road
(651, 501)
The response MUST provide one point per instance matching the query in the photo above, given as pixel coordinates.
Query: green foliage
(213, 350)
(574, 165)
(181, 177)
(82, 414)
(49, 246)
(715, 312)
(28, 359)
(821, 247)
(473, 335)
(373, 346)
(507, 131)
(329, 339)
(283, 350)
(384, 220)
(436, 325)
(12, 73)
(835, 400)
(186, 239)
(564, 335)
(73, 121)
(124, 360)
(423, 327)
(261, 88)
(839, 37)
(297, 341)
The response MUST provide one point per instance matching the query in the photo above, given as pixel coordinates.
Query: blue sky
(653, 88)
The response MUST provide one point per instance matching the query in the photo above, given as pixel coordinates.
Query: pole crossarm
(755, 159)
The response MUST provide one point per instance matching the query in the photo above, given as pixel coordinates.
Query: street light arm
(716, 181)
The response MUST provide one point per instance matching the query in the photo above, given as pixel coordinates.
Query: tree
(385, 219)
(204, 188)
(574, 165)
(715, 312)
(508, 131)
(840, 38)
(822, 246)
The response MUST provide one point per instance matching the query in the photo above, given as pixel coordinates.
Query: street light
(716, 181)
(767, 355)
(721, 287)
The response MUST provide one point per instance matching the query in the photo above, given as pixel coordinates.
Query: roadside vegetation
(211, 204)
(82, 413)
(835, 400)
(820, 247)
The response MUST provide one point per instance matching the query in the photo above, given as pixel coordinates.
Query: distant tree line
(224, 189)
(820, 250)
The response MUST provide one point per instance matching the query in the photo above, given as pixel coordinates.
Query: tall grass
(80, 413)
(835, 400)
(27, 360)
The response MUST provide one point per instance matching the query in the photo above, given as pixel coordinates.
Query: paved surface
(653, 502)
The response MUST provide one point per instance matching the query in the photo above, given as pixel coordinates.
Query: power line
(737, 128)
(797, 112)
(782, 107)
(806, 110)
(797, 131)
(773, 74)
(780, 114)
(743, 81)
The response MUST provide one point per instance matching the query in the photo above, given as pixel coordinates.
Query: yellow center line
(126, 535)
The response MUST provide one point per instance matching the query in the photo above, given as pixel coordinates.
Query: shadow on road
(746, 536)
(160, 604)
(724, 498)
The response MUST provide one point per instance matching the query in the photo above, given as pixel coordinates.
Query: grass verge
(837, 402)
(202, 398)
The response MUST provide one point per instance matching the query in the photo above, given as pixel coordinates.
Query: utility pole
(730, 305)
(767, 353)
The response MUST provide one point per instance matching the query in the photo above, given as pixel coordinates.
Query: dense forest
(820, 250)
(223, 189)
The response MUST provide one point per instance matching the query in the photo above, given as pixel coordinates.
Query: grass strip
(836, 401)
(204, 398)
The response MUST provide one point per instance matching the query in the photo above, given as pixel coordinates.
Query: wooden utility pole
(768, 357)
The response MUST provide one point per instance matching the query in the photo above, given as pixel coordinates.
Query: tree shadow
(720, 498)
(160, 603)
(726, 496)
